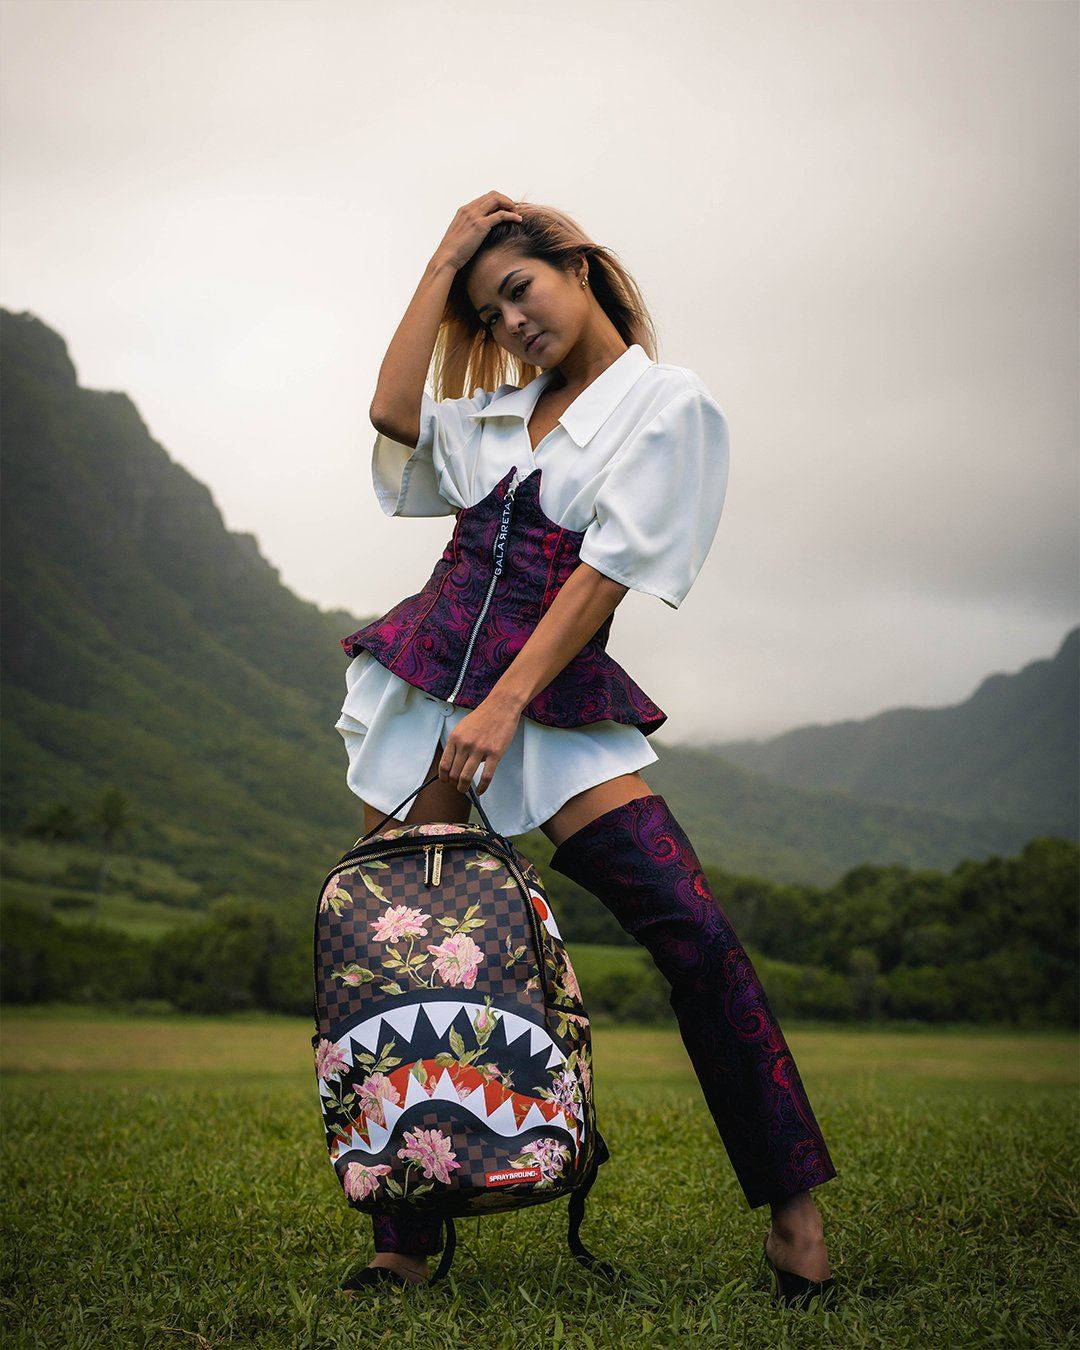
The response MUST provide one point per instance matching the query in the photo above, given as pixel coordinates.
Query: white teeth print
(440, 1015)
(403, 1020)
(401, 1023)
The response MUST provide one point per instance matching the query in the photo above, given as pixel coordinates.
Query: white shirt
(639, 461)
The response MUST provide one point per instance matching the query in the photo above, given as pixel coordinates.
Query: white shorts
(391, 730)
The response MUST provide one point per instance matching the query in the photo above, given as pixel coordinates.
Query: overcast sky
(856, 221)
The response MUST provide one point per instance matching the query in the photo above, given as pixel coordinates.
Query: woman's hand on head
(482, 736)
(470, 226)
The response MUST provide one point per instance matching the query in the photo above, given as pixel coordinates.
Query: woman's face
(518, 299)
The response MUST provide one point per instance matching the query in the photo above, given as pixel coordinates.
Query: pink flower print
(487, 863)
(484, 1021)
(570, 983)
(330, 1059)
(361, 1181)
(400, 922)
(457, 959)
(550, 1154)
(431, 1149)
(585, 1069)
(439, 827)
(564, 1089)
(373, 1092)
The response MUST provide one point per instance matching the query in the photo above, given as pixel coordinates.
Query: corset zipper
(497, 554)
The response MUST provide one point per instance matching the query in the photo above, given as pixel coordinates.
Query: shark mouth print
(404, 1063)
(544, 911)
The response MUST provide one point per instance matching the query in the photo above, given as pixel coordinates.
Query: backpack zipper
(431, 877)
(497, 554)
(495, 851)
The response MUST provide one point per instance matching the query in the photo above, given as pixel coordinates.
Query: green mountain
(147, 646)
(760, 828)
(1008, 751)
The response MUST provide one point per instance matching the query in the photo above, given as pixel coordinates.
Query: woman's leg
(622, 843)
(405, 1241)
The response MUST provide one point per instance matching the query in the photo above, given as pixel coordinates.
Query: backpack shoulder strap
(447, 1252)
(576, 1212)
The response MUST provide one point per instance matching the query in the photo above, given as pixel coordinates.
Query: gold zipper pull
(427, 864)
(438, 865)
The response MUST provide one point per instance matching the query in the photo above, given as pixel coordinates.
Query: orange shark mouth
(504, 1111)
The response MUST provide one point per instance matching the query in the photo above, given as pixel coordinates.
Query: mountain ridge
(1008, 749)
(146, 644)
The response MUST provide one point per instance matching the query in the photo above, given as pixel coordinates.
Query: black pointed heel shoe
(796, 1291)
(371, 1275)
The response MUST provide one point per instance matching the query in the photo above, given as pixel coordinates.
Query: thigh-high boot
(638, 861)
(410, 1234)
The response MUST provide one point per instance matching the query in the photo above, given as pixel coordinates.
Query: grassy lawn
(166, 1184)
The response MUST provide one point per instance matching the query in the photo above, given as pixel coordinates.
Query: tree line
(994, 941)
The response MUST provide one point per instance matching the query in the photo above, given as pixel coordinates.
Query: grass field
(166, 1184)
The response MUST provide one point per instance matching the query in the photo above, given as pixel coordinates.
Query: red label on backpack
(510, 1175)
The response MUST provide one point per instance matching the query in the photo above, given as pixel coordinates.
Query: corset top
(502, 567)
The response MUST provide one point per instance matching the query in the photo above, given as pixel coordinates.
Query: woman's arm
(584, 601)
(395, 408)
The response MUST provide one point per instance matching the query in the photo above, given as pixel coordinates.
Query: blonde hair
(467, 357)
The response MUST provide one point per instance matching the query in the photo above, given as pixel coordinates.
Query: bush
(640, 998)
(45, 960)
(240, 956)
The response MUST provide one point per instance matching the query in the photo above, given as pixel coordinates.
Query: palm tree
(111, 815)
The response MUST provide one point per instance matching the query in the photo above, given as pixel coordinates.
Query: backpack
(452, 1048)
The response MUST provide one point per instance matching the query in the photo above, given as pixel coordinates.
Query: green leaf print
(337, 899)
(373, 886)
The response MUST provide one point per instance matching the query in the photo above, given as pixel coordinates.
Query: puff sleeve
(659, 502)
(428, 480)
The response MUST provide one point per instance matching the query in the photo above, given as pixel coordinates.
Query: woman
(626, 461)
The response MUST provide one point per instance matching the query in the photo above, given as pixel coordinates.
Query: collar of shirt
(584, 417)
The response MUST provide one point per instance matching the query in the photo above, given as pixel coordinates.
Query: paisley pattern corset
(502, 567)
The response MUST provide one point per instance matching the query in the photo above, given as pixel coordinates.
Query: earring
(584, 281)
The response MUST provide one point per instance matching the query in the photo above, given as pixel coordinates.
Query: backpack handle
(390, 814)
